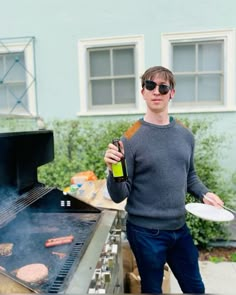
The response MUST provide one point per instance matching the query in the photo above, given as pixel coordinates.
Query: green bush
(80, 146)
(209, 148)
(233, 257)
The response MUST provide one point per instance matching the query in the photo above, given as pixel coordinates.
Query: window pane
(14, 69)
(19, 108)
(100, 63)
(185, 89)
(13, 96)
(101, 92)
(123, 61)
(184, 58)
(17, 92)
(124, 91)
(209, 58)
(16, 75)
(209, 88)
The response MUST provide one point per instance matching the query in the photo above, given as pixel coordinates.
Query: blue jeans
(152, 248)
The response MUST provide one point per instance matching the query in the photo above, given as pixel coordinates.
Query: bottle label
(117, 169)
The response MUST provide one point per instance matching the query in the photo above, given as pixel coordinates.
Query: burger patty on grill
(32, 273)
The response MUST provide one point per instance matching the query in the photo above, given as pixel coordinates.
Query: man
(160, 158)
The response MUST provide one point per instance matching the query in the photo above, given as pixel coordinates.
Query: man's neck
(158, 119)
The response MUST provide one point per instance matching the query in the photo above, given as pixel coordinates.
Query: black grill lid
(21, 153)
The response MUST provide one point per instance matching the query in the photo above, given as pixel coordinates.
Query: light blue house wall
(58, 26)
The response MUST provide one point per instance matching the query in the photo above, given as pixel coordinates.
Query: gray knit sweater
(161, 171)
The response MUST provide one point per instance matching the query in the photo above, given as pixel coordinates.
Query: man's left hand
(212, 199)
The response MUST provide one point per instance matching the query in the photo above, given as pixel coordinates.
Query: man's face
(157, 94)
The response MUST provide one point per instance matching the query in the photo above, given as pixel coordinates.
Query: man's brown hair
(162, 72)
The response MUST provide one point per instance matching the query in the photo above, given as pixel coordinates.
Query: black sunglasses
(150, 85)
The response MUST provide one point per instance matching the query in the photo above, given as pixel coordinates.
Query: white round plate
(209, 212)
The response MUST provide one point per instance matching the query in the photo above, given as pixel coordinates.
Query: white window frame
(228, 36)
(83, 46)
(19, 45)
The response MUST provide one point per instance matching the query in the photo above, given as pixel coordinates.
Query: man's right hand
(112, 155)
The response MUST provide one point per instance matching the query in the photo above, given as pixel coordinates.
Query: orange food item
(59, 241)
(83, 176)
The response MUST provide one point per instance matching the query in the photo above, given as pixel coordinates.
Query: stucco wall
(58, 25)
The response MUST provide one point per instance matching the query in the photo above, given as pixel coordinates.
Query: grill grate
(10, 211)
(46, 218)
(63, 273)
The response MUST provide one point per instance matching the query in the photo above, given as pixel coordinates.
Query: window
(17, 77)
(203, 66)
(109, 77)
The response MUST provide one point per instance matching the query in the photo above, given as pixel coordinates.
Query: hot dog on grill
(59, 241)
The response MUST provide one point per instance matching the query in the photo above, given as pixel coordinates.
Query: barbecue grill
(31, 213)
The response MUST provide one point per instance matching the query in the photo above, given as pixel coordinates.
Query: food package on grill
(81, 177)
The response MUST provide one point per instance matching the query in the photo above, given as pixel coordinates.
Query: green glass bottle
(119, 170)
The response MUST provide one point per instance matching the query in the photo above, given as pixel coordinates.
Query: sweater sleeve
(194, 185)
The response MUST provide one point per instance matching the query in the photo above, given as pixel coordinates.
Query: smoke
(8, 195)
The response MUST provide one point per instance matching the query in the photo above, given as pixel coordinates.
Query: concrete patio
(219, 278)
